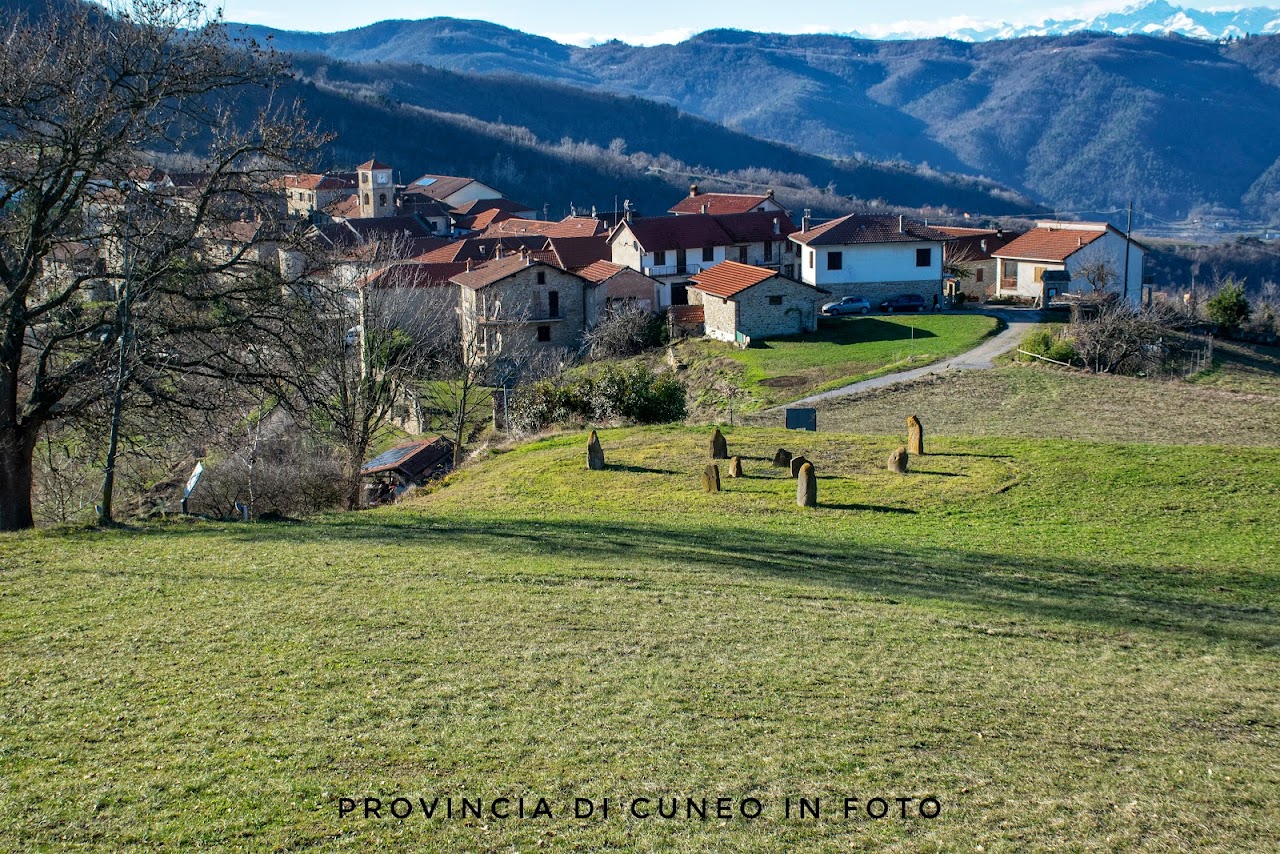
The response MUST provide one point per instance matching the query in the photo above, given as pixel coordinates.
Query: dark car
(903, 302)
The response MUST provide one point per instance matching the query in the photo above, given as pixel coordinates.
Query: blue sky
(658, 21)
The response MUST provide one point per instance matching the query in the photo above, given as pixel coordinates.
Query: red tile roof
(677, 232)
(438, 186)
(483, 248)
(687, 314)
(968, 243)
(371, 164)
(601, 271)
(315, 181)
(347, 207)
(495, 271)
(868, 228)
(1049, 244)
(413, 274)
(573, 253)
(729, 278)
(720, 203)
(482, 205)
(757, 226)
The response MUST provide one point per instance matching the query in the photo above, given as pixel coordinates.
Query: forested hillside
(1081, 121)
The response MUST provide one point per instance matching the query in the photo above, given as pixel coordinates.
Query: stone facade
(537, 307)
(777, 306)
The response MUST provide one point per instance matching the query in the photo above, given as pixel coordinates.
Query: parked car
(903, 302)
(847, 305)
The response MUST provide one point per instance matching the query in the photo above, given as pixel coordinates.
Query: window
(364, 177)
(382, 199)
(775, 300)
(659, 257)
(553, 303)
(811, 254)
(708, 253)
(544, 333)
(924, 257)
(835, 260)
(366, 199)
(542, 277)
(979, 275)
(768, 250)
(742, 254)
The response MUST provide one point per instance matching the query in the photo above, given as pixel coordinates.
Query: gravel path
(1017, 321)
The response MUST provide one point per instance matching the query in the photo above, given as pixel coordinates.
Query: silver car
(847, 305)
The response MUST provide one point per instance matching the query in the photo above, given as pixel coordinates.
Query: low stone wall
(877, 292)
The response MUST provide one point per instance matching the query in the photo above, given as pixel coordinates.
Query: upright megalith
(796, 463)
(711, 478)
(807, 487)
(782, 459)
(898, 461)
(735, 467)
(915, 436)
(719, 447)
(595, 453)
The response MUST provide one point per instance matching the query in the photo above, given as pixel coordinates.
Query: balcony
(673, 270)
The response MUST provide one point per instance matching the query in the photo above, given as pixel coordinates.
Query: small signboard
(193, 480)
(802, 418)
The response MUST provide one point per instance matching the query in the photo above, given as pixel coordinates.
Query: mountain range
(1152, 17)
(1084, 122)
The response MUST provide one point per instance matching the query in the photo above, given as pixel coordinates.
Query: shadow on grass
(853, 330)
(1112, 595)
(639, 469)
(874, 508)
(936, 473)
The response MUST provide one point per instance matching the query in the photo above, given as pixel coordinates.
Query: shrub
(635, 394)
(1229, 306)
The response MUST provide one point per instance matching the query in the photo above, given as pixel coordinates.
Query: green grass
(1242, 368)
(1071, 645)
(846, 350)
(1235, 408)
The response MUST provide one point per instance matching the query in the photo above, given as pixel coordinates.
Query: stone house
(305, 194)
(878, 256)
(741, 302)
(973, 248)
(514, 306)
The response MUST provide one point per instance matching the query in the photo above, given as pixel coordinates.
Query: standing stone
(595, 453)
(898, 461)
(782, 459)
(735, 467)
(711, 478)
(719, 447)
(796, 463)
(915, 436)
(807, 487)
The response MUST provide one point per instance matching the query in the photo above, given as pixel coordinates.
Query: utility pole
(1128, 235)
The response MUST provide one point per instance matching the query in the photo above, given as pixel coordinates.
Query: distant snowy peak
(1153, 17)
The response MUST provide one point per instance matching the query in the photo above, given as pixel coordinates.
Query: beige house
(741, 302)
(306, 194)
(515, 305)
(1095, 256)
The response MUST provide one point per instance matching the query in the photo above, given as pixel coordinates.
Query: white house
(740, 302)
(874, 255)
(1097, 256)
(671, 249)
(453, 190)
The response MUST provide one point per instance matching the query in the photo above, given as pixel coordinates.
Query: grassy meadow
(844, 350)
(1070, 644)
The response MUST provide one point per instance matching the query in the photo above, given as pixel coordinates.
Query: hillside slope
(1084, 120)
(980, 632)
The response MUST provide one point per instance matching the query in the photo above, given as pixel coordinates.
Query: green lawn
(1070, 645)
(1238, 403)
(846, 350)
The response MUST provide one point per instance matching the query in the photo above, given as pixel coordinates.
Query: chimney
(1079, 242)
(468, 265)
(704, 207)
(693, 190)
(769, 194)
(983, 244)
(498, 251)
(901, 224)
(804, 220)
(777, 226)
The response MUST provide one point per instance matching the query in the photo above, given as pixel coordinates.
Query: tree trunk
(16, 450)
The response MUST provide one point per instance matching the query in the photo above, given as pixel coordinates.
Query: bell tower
(376, 190)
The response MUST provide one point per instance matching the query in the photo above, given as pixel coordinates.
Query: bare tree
(82, 95)
(1097, 266)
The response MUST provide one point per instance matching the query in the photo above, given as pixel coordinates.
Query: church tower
(377, 192)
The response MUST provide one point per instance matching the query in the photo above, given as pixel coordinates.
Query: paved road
(979, 358)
